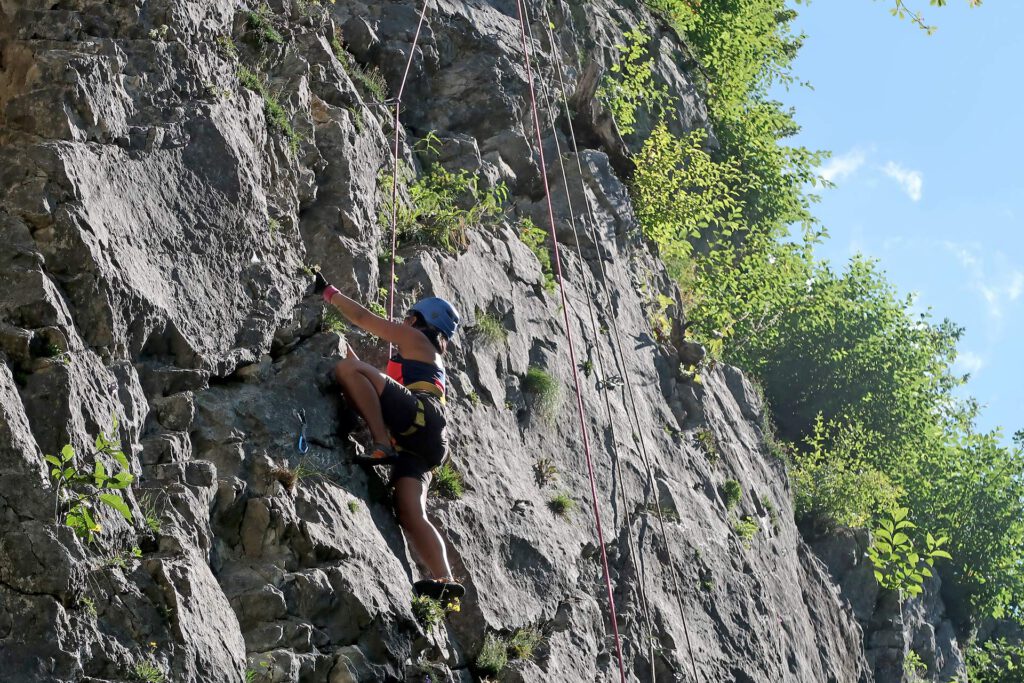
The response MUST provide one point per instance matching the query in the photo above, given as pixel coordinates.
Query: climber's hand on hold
(320, 283)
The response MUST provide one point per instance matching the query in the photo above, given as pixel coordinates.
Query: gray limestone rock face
(169, 172)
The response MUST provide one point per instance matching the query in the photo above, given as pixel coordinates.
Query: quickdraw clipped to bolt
(302, 445)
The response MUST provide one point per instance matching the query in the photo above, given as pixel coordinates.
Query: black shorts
(417, 423)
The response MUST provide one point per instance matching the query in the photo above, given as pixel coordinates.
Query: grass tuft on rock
(493, 655)
(732, 492)
(447, 482)
(489, 330)
(524, 642)
(544, 390)
(561, 504)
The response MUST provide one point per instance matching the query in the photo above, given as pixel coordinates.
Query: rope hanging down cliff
(572, 348)
(635, 554)
(614, 328)
(394, 168)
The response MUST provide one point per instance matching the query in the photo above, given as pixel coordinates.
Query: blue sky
(928, 159)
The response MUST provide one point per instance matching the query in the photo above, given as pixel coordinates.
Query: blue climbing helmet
(438, 313)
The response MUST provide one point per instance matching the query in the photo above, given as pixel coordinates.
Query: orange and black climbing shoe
(379, 454)
(440, 589)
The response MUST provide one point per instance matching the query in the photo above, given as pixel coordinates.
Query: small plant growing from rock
(773, 514)
(544, 471)
(914, 667)
(79, 492)
(489, 329)
(227, 46)
(523, 643)
(88, 604)
(474, 398)
(587, 368)
(285, 475)
(333, 321)
(746, 528)
(273, 111)
(561, 504)
(708, 443)
(159, 34)
(545, 392)
(353, 506)
(534, 237)
(493, 655)
(731, 492)
(447, 482)
(260, 22)
(149, 510)
(428, 612)
(663, 511)
(148, 673)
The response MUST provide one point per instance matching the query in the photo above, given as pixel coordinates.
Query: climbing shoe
(439, 590)
(379, 454)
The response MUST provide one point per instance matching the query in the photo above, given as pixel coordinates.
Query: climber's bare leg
(411, 506)
(363, 384)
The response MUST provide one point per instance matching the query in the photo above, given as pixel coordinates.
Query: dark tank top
(417, 375)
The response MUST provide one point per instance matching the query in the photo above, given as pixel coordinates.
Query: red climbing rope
(394, 174)
(572, 348)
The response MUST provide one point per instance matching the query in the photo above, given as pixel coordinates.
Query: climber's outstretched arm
(360, 316)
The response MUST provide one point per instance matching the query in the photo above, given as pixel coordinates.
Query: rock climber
(404, 409)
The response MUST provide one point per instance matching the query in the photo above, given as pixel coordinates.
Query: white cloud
(968, 362)
(997, 288)
(912, 182)
(843, 166)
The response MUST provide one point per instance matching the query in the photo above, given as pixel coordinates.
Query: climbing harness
(584, 432)
(301, 445)
(616, 336)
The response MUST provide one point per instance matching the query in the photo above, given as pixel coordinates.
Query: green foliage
(524, 642)
(333, 320)
(447, 482)
(914, 667)
(839, 344)
(261, 22)
(353, 506)
(226, 45)
(428, 612)
(148, 673)
(681, 193)
(443, 206)
(88, 604)
(898, 565)
(489, 329)
(474, 398)
(834, 485)
(900, 9)
(708, 443)
(493, 655)
(370, 80)
(636, 88)
(79, 492)
(535, 237)
(148, 504)
(731, 492)
(544, 471)
(995, 661)
(561, 504)
(544, 390)
(274, 112)
(745, 528)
